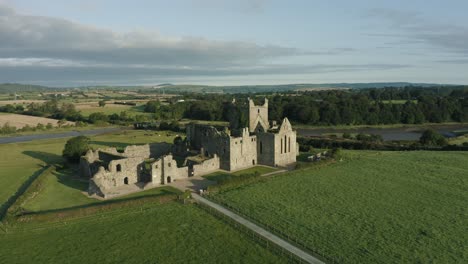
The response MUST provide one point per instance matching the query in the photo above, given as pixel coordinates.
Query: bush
(431, 137)
(75, 148)
(7, 129)
(347, 135)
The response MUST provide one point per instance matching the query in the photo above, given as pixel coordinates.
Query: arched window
(119, 167)
(289, 144)
(281, 146)
(285, 144)
(126, 180)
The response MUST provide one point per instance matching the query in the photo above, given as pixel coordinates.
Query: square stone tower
(258, 117)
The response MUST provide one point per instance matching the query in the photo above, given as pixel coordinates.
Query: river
(394, 133)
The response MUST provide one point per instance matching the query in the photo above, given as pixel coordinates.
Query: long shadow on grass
(66, 178)
(49, 158)
(164, 192)
(118, 145)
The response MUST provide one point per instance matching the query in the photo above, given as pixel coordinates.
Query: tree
(431, 137)
(102, 103)
(75, 148)
(98, 117)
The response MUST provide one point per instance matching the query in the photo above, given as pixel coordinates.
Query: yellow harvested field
(19, 121)
(23, 102)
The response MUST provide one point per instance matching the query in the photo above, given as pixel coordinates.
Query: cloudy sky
(91, 42)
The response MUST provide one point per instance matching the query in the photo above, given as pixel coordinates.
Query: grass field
(459, 140)
(87, 108)
(373, 207)
(19, 161)
(219, 176)
(152, 233)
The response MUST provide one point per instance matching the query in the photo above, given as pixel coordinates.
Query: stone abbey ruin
(205, 150)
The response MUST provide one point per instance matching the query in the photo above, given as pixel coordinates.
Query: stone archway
(168, 179)
(126, 180)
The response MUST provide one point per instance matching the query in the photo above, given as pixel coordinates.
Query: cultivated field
(87, 108)
(21, 102)
(19, 121)
(373, 207)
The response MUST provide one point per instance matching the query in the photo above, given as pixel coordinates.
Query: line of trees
(338, 107)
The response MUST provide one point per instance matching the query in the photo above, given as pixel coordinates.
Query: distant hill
(20, 88)
(175, 88)
(287, 87)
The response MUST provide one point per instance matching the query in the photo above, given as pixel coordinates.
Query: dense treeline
(338, 107)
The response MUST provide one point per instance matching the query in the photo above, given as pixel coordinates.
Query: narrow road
(5, 140)
(262, 232)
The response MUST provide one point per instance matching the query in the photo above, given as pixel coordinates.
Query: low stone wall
(154, 150)
(206, 166)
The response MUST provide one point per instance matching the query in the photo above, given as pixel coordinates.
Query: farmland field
(373, 207)
(151, 233)
(88, 108)
(19, 121)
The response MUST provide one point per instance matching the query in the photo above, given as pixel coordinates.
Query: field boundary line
(20, 191)
(259, 230)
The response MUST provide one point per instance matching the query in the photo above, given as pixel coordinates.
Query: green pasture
(373, 207)
(110, 109)
(221, 175)
(150, 233)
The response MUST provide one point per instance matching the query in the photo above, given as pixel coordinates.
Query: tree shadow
(116, 200)
(49, 158)
(69, 177)
(117, 145)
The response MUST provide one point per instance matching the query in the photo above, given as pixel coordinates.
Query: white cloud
(35, 48)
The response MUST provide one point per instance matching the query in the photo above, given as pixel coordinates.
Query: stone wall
(170, 170)
(93, 159)
(285, 145)
(157, 173)
(209, 141)
(154, 150)
(258, 115)
(207, 166)
(121, 172)
(243, 151)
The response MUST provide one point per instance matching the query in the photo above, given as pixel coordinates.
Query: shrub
(75, 148)
(347, 135)
(431, 137)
